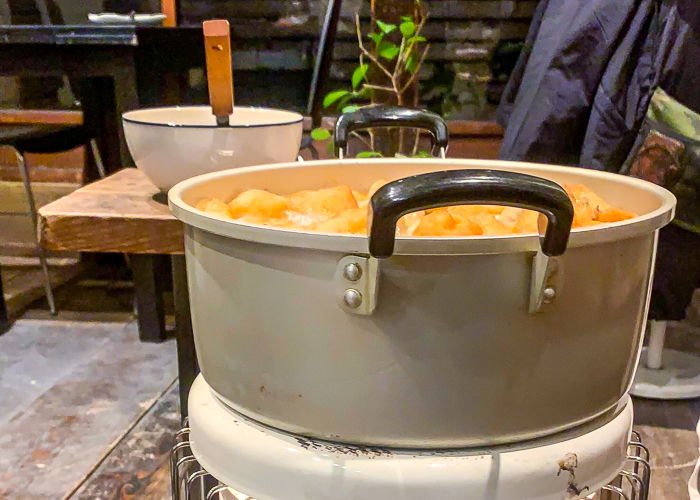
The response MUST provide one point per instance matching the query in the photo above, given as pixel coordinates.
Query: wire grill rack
(190, 481)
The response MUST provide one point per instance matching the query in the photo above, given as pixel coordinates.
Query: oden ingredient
(340, 209)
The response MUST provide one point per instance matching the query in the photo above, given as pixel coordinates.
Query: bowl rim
(128, 119)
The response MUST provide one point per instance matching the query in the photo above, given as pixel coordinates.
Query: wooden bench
(120, 214)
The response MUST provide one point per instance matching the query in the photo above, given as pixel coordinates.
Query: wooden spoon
(217, 45)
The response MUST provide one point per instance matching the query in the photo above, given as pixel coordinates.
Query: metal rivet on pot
(352, 298)
(548, 295)
(352, 272)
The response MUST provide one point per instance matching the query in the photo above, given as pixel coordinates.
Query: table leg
(126, 98)
(104, 99)
(150, 277)
(186, 356)
(100, 118)
(4, 319)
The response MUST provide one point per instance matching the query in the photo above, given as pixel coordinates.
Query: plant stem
(377, 87)
(362, 139)
(365, 51)
(418, 67)
(416, 142)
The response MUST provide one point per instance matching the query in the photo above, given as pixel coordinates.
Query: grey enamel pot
(421, 342)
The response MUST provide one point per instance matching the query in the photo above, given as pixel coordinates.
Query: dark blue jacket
(582, 85)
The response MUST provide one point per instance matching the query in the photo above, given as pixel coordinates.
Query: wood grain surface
(116, 214)
(63, 433)
(668, 430)
(138, 466)
(217, 50)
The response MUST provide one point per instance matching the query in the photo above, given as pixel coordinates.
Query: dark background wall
(277, 38)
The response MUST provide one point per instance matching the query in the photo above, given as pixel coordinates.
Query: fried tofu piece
(340, 209)
(589, 208)
(519, 220)
(490, 225)
(407, 224)
(258, 202)
(463, 216)
(375, 187)
(352, 221)
(528, 222)
(361, 198)
(436, 223)
(213, 206)
(329, 201)
(612, 214)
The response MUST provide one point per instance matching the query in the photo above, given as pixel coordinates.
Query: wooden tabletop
(116, 214)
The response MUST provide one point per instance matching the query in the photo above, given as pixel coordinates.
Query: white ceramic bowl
(172, 144)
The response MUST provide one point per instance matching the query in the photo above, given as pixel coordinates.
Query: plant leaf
(351, 108)
(408, 28)
(411, 63)
(344, 100)
(406, 18)
(388, 50)
(320, 134)
(416, 39)
(376, 37)
(359, 74)
(368, 154)
(363, 92)
(385, 27)
(331, 97)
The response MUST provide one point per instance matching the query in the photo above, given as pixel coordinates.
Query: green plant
(387, 72)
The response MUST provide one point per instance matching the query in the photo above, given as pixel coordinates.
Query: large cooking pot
(421, 342)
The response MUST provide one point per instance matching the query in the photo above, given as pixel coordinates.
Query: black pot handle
(390, 116)
(469, 187)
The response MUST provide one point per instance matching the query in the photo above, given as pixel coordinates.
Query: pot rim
(463, 245)
(129, 117)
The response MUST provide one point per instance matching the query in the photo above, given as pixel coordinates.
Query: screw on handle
(469, 187)
(217, 48)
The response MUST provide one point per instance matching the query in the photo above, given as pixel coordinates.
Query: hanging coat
(579, 96)
(582, 85)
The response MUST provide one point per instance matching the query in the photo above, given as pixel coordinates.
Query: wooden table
(104, 55)
(120, 214)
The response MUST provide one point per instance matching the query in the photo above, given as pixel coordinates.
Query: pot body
(450, 356)
(173, 144)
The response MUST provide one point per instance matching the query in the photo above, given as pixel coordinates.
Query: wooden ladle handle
(217, 44)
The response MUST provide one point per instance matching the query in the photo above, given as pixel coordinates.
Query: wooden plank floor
(138, 465)
(668, 430)
(70, 393)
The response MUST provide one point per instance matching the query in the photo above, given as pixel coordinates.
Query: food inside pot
(340, 209)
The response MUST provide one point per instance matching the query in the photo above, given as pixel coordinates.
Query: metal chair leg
(324, 58)
(98, 158)
(35, 221)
